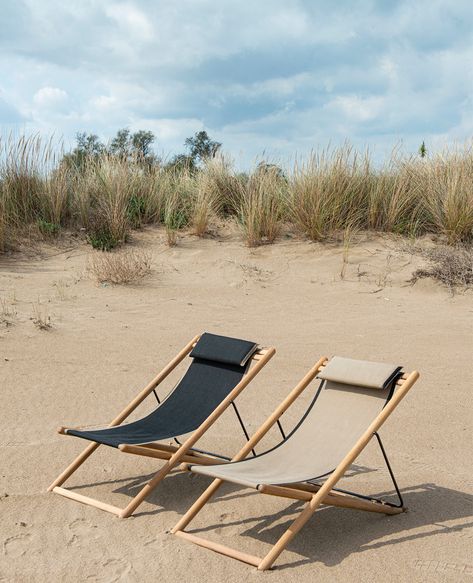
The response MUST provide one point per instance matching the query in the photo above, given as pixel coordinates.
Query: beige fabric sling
(352, 394)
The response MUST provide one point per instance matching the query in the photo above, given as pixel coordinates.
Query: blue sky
(268, 77)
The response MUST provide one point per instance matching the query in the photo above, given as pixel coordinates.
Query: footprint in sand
(82, 530)
(16, 546)
(110, 571)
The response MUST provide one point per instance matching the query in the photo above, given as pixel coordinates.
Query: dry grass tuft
(120, 267)
(204, 202)
(41, 318)
(178, 204)
(452, 266)
(349, 235)
(262, 204)
(448, 194)
(329, 192)
(7, 311)
(394, 199)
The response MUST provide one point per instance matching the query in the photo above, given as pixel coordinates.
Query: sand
(106, 342)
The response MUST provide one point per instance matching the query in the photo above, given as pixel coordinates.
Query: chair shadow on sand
(429, 507)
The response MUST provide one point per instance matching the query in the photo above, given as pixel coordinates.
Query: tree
(121, 144)
(423, 150)
(88, 147)
(124, 145)
(201, 147)
(141, 142)
(127, 145)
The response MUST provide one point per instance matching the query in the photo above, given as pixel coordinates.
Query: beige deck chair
(221, 367)
(352, 402)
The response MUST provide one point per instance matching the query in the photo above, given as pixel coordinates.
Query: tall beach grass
(320, 196)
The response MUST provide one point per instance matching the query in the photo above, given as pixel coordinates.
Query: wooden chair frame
(314, 495)
(173, 455)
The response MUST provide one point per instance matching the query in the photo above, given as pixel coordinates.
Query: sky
(268, 78)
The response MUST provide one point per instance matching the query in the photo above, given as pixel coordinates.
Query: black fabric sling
(219, 364)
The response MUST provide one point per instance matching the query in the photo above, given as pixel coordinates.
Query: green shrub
(102, 239)
(48, 229)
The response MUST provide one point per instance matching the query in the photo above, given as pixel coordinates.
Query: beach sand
(106, 342)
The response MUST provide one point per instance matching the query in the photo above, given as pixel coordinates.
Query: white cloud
(131, 20)
(357, 109)
(47, 97)
(103, 102)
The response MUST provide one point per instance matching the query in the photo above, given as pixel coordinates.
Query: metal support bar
(223, 457)
(281, 429)
(371, 498)
(242, 425)
(391, 473)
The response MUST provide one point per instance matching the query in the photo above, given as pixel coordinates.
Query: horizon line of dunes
(328, 192)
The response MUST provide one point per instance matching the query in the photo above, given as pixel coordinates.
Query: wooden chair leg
(124, 414)
(89, 450)
(197, 506)
(288, 535)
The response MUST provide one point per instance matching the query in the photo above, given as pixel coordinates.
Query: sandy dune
(106, 342)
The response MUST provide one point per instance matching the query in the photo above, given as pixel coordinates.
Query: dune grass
(320, 196)
(120, 267)
(451, 265)
(261, 205)
(329, 192)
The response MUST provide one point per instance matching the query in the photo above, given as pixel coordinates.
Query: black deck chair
(221, 368)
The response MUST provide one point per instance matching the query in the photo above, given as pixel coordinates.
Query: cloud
(356, 109)
(47, 97)
(131, 20)
(270, 75)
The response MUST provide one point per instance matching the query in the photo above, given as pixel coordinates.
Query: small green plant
(136, 210)
(102, 239)
(176, 213)
(175, 219)
(48, 229)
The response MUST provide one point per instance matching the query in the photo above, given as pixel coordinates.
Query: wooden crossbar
(219, 548)
(331, 499)
(87, 500)
(166, 455)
